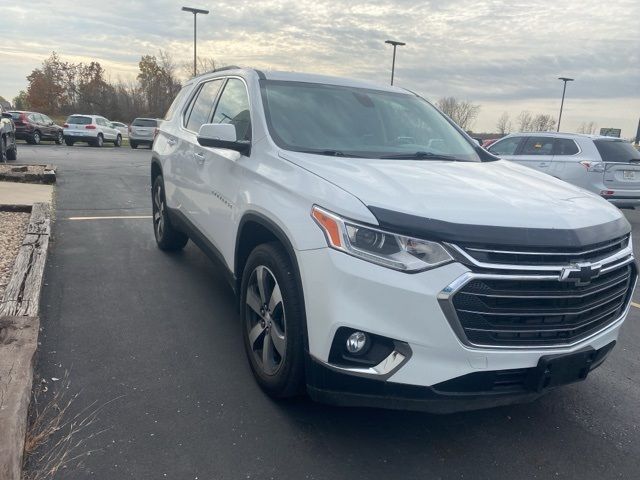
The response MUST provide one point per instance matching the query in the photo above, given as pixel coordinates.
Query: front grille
(545, 256)
(497, 311)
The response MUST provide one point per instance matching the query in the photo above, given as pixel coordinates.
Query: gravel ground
(37, 169)
(13, 226)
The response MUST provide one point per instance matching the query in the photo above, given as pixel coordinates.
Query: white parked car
(123, 128)
(93, 129)
(606, 166)
(143, 132)
(380, 256)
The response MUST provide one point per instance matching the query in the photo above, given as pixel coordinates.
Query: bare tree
(543, 123)
(463, 112)
(524, 121)
(503, 124)
(587, 127)
(203, 65)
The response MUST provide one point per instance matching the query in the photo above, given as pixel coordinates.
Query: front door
(537, 153)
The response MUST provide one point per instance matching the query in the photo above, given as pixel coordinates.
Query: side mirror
(478, 140)
(222, 135)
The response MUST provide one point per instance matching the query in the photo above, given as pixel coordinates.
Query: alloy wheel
(158, 212)
(265, 320)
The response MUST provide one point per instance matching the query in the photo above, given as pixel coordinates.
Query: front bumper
(342, 291)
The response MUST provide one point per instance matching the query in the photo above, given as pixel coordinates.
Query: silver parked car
(606, 166)
(142, 131)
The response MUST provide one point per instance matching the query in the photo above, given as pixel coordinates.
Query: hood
(500, 193)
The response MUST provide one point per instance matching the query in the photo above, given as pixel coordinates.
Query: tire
(167, 236)
(98, 142)
(35, 138)
(133, 145)
(118, 141)
(12, 153)
(3, 150)
(68, 142)
(273, 323)
(59, 138)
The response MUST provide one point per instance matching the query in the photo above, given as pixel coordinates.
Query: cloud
(501, 54)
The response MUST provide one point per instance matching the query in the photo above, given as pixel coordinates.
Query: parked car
(123, 128)
(93, 129)
(33, 127)
(142, 131)
(8, 147)
(606, 166)
(380, 256)
(489, 141)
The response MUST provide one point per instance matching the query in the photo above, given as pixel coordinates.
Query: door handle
(199, 158)
(171, 142)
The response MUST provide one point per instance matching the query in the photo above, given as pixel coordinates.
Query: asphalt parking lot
(156, 335)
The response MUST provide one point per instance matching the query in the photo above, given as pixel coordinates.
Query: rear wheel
(167, 236)
(69, 142)
(133, 145)
(99, 141)
(35, 138)
(3, 150)
(11, 153)
(118, 141)
(59, 138)
(272, 316)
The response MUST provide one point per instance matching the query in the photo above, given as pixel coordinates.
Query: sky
(502, 55)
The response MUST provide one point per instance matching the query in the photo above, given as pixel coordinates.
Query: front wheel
(59, 138)
(273, 321)
(12, 152)
(35, 139)
(167, 236)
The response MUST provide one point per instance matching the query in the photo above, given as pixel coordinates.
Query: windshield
(349, 121)
(616, 151)
(78, 120)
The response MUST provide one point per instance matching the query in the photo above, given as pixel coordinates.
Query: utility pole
(195, 12)
(393, 63)
(564, 89)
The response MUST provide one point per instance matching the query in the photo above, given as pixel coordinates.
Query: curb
(19, 326)
(19, 173)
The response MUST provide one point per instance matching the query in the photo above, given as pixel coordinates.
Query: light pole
(393, 63)
(195, 12)
(564, 89)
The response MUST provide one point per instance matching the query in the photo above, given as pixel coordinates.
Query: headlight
(383, 248)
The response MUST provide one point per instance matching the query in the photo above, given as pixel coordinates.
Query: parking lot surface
(157, 336)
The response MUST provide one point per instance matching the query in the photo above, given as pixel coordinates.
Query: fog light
(356, 342)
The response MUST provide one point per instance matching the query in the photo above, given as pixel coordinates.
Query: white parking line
(634, 304)
(111, 217)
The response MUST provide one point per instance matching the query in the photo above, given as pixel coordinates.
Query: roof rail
(228, 67)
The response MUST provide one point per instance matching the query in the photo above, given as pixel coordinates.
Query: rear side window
(176, 102)
(202, 105)
(101, 121)
(507, 146)
(144, 122)
(616, 151)
(233, 108)
(34, 117)
(538, 146)
(78, 120)
(565, 146)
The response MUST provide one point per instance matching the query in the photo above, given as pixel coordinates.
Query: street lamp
(195, 12)
(393, 64)
(564, 89)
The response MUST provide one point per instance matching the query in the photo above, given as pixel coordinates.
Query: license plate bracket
(555, 370)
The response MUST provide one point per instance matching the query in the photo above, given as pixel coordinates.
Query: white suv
(379, 255)
(93, 129)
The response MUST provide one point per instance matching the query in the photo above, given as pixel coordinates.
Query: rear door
(536, 153)
(622, 163)
(48, 127)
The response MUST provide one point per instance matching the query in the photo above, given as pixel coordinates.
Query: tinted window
(144, 122)
(616, 150)
(354, 121)
(46, 119)
(15, 115)
(505, 147)
(537, 146)
(78, 120)
(202, 105)
(233, 108)
(176, 102)
(565, 146)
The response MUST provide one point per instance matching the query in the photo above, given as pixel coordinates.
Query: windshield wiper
(327, 152)
(420, 155)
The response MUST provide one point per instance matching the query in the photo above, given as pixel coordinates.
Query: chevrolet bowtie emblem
(580, 274)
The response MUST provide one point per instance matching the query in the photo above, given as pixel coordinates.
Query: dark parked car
(8, 148)
(34, 127)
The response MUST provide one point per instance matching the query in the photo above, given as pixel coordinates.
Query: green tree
(20, 101)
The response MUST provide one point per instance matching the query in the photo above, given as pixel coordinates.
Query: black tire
(287, 378)
(98, 142)
(36, 138)
(118, 141)
(59, 138)
(3, 150)
(133, 145)
(167, 236)
(68, 142)
(12, 153)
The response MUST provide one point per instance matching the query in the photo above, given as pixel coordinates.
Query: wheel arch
(156, 169)
(255, 229)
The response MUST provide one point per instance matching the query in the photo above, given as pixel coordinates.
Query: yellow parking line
(634, 304)
(110, 217)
